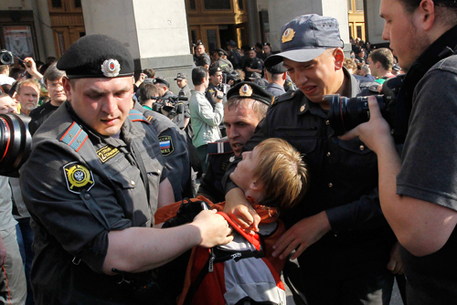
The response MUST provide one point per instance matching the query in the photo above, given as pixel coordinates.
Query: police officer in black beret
(276, 76)
(246, 106)
(337, 231)
(92, 184)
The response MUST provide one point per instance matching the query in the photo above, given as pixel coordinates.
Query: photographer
(418, 192)
(337, 231)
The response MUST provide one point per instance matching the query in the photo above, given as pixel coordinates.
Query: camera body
(346, 113)
(6, 57)
(172, 104)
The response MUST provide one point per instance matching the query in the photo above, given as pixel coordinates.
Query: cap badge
(288, 35)
(246, 90)
(111, 68)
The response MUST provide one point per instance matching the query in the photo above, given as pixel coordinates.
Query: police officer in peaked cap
(337, 232)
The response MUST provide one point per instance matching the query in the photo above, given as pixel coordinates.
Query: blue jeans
(25, 240)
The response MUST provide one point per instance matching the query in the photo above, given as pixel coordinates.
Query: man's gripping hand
(214, 229)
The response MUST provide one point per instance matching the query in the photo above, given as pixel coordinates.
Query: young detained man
(273, 177)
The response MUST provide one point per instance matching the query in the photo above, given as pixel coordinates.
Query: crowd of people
(104, 195)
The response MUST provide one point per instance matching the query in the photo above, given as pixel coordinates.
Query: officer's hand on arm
(395, 263)
(3, 252)
(138, 249)
(241, 211)
(302, 235)
(31, 68)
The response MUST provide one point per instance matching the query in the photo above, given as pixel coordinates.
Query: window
(359, 5)
(359, 31)
(217, 4)
(192, 5)
(57, 3)
(350, 5)
(241, 5)
(77, 3)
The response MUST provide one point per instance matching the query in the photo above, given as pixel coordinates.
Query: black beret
(213, 69)
(231, 43)
(274, 68)
(159, 80)
(250, 90)
(96, 56)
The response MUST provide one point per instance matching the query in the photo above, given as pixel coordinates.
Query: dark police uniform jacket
(220, 156)
(78, 186)
(173, 146)
(343, 182)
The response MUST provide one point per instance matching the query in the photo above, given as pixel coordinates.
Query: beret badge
(246, 91)
(111, 68)
(288, 35)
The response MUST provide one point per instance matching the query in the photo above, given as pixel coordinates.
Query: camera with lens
(172, 104)
(346, 113)
(6, 57)
(15, 143)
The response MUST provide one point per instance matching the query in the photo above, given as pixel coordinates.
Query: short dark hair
(150, 73)
(147, 92)
(198, 74)
(411, 5)
(384, 56)
(52, 73)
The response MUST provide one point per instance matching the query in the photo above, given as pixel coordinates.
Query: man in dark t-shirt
(53, 80)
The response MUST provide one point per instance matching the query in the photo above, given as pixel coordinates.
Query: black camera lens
(6, 58)
(15, 143)
(346, 113)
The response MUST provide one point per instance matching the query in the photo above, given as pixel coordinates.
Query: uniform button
(327, 122)
(330, 184)
(362, 147)
(336, 234)
(87, 196)
(132, 183)
(328, 154)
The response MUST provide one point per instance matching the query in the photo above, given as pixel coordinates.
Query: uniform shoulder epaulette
(74, 136)
(217, 148)
(137, 116)
(282, 98)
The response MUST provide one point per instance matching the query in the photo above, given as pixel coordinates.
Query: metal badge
(246, 91)
(111, 68)
(288, 35)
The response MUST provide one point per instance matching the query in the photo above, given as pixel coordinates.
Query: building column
(281, 12)
(155, 32)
